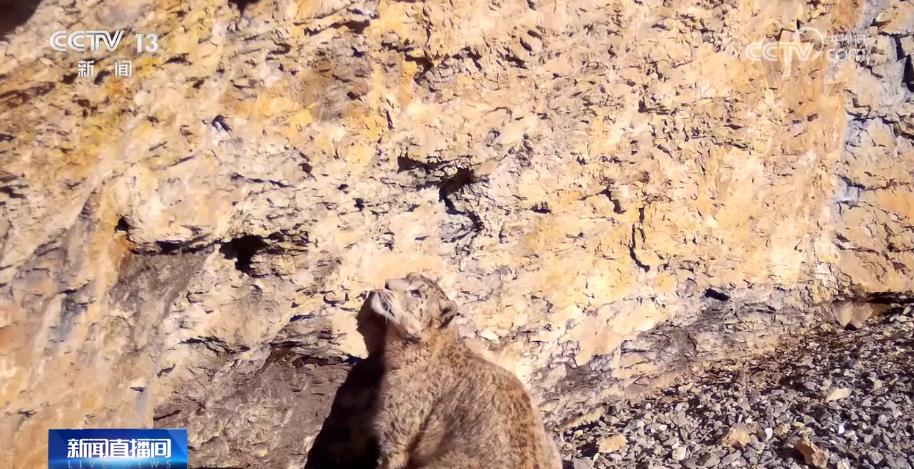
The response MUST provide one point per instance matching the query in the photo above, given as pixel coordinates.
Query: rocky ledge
(836, 399)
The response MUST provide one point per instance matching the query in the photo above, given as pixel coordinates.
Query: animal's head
(414, 305)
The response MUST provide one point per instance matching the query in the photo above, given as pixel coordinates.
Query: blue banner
(122, 448)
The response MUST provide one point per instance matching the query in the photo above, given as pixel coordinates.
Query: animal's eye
(414, 293)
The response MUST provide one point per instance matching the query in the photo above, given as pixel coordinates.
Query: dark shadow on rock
(14, 13)
(346, 439)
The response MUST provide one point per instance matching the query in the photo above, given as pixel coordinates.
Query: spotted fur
(440, 405)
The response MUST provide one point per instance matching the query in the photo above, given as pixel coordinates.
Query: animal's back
(486, 420)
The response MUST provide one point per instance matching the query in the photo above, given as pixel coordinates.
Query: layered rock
(610, 189)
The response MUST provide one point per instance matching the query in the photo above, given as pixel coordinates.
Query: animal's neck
(401, 352)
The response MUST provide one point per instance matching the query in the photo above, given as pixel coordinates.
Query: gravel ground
(837, 399)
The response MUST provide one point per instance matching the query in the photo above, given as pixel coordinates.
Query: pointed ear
(448, 312)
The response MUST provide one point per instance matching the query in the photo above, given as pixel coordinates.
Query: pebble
(708, 460)
(678, 454)
(728, 459)
(579, 463)
(897, 462)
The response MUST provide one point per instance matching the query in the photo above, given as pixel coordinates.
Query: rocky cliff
(610, 189)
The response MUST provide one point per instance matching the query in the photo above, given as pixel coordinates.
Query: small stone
(812, 454)
(875, 457)
(737, 436)
(709, 460)
(897, 462)
(580, 463)
(609, 444)
(728, 459)
(782, 429)
(678, 454)
(837, 394)
(334, 297)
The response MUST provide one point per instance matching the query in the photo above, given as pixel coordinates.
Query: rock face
(610, 189)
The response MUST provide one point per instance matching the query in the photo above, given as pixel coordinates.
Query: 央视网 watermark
(809, 43)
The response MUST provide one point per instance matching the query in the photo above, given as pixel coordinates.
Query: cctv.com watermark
(95, 42)
(809, 43)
